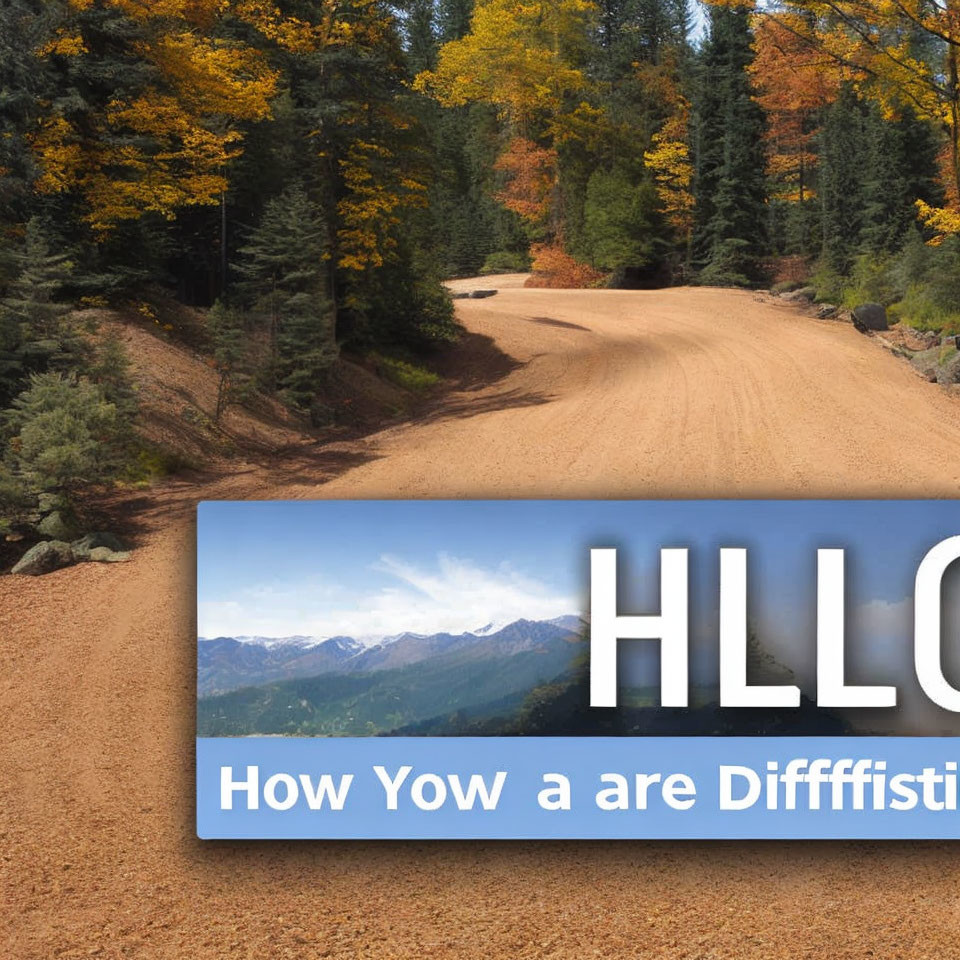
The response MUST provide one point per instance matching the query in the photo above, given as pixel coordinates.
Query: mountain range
(338, 687)
(230, 663)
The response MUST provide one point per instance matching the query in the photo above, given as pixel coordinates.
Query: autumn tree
(525, 61)
(147, 106)
(902, 55)
(794, 83)
(671, 164)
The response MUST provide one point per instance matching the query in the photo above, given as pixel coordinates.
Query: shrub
(557, 270)
(505, 261)
(403, 374)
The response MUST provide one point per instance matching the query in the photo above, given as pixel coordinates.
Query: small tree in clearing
(64, 434)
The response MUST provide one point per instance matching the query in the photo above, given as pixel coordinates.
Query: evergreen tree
(283, 266)
(453, 19)
(730, 174)
(24, 81)
(421, 36)
(34, 332)
(110, 370)
(900, 168)
(230, 355)
(843, 156)
(65, 434)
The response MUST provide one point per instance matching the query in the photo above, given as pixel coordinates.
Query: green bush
(505, 261)
(927, 280)
(918, 310)
(871, 282)
(155, 463)
(403, 374)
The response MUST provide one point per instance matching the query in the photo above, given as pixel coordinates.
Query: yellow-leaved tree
(146, 116)
(524, 57)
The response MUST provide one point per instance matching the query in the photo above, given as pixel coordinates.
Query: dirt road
(575, 393)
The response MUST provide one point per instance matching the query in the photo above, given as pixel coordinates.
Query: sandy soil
(680, 392)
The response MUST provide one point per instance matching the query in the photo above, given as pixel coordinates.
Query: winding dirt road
(575, 393)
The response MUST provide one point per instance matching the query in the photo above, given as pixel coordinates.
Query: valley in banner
(527, 678)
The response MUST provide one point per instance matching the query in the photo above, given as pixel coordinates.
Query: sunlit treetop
(520, 56)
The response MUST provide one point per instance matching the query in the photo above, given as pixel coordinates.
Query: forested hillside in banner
(303, 175)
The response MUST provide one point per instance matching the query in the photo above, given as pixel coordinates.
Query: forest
(309, 172)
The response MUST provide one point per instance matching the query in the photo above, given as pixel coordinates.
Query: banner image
(576, 669)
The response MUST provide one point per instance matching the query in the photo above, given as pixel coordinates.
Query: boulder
(870, 316)
(825, 311)
(57, 526)
(106, 555)
(949, 373)
(803, 295)
(44, 557)
(481, 294)
(84, 548)
(48, 502)
(927, 362)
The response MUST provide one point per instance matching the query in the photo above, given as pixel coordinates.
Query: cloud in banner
(454, 595)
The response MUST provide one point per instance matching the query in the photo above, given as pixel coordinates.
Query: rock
(803, 295)
(949, 373)
(927, 363)
(44, 557)
(84, 547)
(825, 311)
(481, 294)
(57, 526)
(48, 502)
(106, 555)
(460, 295)
(870, 316)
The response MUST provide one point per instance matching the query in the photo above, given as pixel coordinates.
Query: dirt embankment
(687, 392)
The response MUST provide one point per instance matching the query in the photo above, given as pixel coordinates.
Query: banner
(577, 669)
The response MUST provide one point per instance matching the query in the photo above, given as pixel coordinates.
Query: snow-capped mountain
(228, 663)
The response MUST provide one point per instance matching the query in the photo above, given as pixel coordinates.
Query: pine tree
(900, 168)
(453, 19)
(230, 355)
(283, 266)
(110, 370)
(24, 82)
(65, 434)
(843, 157)
(421, 36)
(34, 332)
(731, 183)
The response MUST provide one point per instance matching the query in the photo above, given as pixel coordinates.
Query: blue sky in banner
(370, 569)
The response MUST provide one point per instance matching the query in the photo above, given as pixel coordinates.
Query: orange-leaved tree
(794, 82)
(900, 53)
(526, 60)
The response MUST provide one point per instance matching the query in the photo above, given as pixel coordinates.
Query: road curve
(672, 393)
(581, 393)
